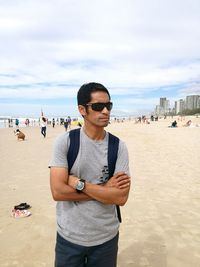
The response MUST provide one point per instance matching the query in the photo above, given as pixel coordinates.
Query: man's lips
(104, 119)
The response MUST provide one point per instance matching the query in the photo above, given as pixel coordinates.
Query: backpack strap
(72, 153)
(113, 146)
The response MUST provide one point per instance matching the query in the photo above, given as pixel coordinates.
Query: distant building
(179, 106)
(192, 102)
(164, 104)
(163, 101)
(163, 108)
(158, 110)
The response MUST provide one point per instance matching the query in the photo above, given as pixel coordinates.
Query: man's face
(96, 118)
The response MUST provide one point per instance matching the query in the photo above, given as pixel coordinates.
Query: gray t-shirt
(88, 223)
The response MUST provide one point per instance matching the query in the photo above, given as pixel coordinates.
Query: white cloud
(191, 89)
(130, 46)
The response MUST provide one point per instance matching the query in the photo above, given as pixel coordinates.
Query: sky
(140, 50)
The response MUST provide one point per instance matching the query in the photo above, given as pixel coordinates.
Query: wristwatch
(80, 185)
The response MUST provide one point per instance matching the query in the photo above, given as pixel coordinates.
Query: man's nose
(105, 110)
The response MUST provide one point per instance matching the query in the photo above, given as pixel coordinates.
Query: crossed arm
(114, 191)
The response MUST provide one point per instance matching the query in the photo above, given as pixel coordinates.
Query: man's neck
(95, 133)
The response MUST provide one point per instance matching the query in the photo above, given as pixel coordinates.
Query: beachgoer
(66, 124)
(27, 122)
(53, 122)
(174, 124)
(10, 123)
(188, 124)
(152, 118)
(87, 224)
(69, 122)
(17, 123)
(43, 126)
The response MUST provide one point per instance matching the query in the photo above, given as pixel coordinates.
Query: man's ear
(82, 110)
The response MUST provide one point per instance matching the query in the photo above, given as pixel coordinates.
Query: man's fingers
(119, 174)
(124, 186)
(126, 181)
(123, 177)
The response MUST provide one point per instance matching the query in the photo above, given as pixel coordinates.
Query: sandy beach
(161, 220)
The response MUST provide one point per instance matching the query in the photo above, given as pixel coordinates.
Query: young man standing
(87, 222)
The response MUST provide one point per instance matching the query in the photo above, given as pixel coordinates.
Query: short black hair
(84, 93)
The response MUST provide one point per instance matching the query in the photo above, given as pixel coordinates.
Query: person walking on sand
(43, 126)
(17, 123)
(53, 122)
(69, 122)
(87, 221)
(66, 124)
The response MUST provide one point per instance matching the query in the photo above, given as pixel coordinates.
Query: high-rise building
(164, 104)
(179, 106)
(198, 103)
(192, 102)
(163, 108)
(162, 101)
(158, 110)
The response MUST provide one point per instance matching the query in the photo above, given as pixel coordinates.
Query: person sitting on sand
(188, 123)
(174, 124)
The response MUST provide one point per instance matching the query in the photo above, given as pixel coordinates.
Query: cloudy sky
(140, 50)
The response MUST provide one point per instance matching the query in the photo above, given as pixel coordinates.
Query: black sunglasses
(100, 106)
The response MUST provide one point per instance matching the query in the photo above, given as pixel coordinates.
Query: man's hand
(120, 180)
(72, 181)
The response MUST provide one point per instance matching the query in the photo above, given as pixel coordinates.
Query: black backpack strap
(113, 146)
(72, 153)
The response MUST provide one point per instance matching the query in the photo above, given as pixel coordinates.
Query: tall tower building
(179, 106)
(192, 101)
(162, 101)
(164, 105)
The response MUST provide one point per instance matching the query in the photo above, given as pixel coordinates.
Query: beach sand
(161, 220)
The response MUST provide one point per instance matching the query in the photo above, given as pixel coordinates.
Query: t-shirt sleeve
(122, 163)
(59, 156)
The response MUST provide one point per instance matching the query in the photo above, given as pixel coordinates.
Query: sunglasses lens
(109, 106)
(101, 106)
(98, 106)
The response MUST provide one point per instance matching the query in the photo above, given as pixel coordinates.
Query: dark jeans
(72, 255)
(43, 131)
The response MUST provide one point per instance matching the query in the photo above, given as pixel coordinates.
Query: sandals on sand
(22, 206)
(20, 213)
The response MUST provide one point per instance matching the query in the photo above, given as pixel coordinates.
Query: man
(87, 223)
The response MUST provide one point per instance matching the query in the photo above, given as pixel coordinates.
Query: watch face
(80, 186)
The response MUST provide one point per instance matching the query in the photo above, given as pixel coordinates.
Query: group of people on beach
(44, 121)
(189, 123)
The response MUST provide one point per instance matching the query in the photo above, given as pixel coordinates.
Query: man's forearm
(67, 193)
(60, 189)
(106, 195)
(115, 191)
